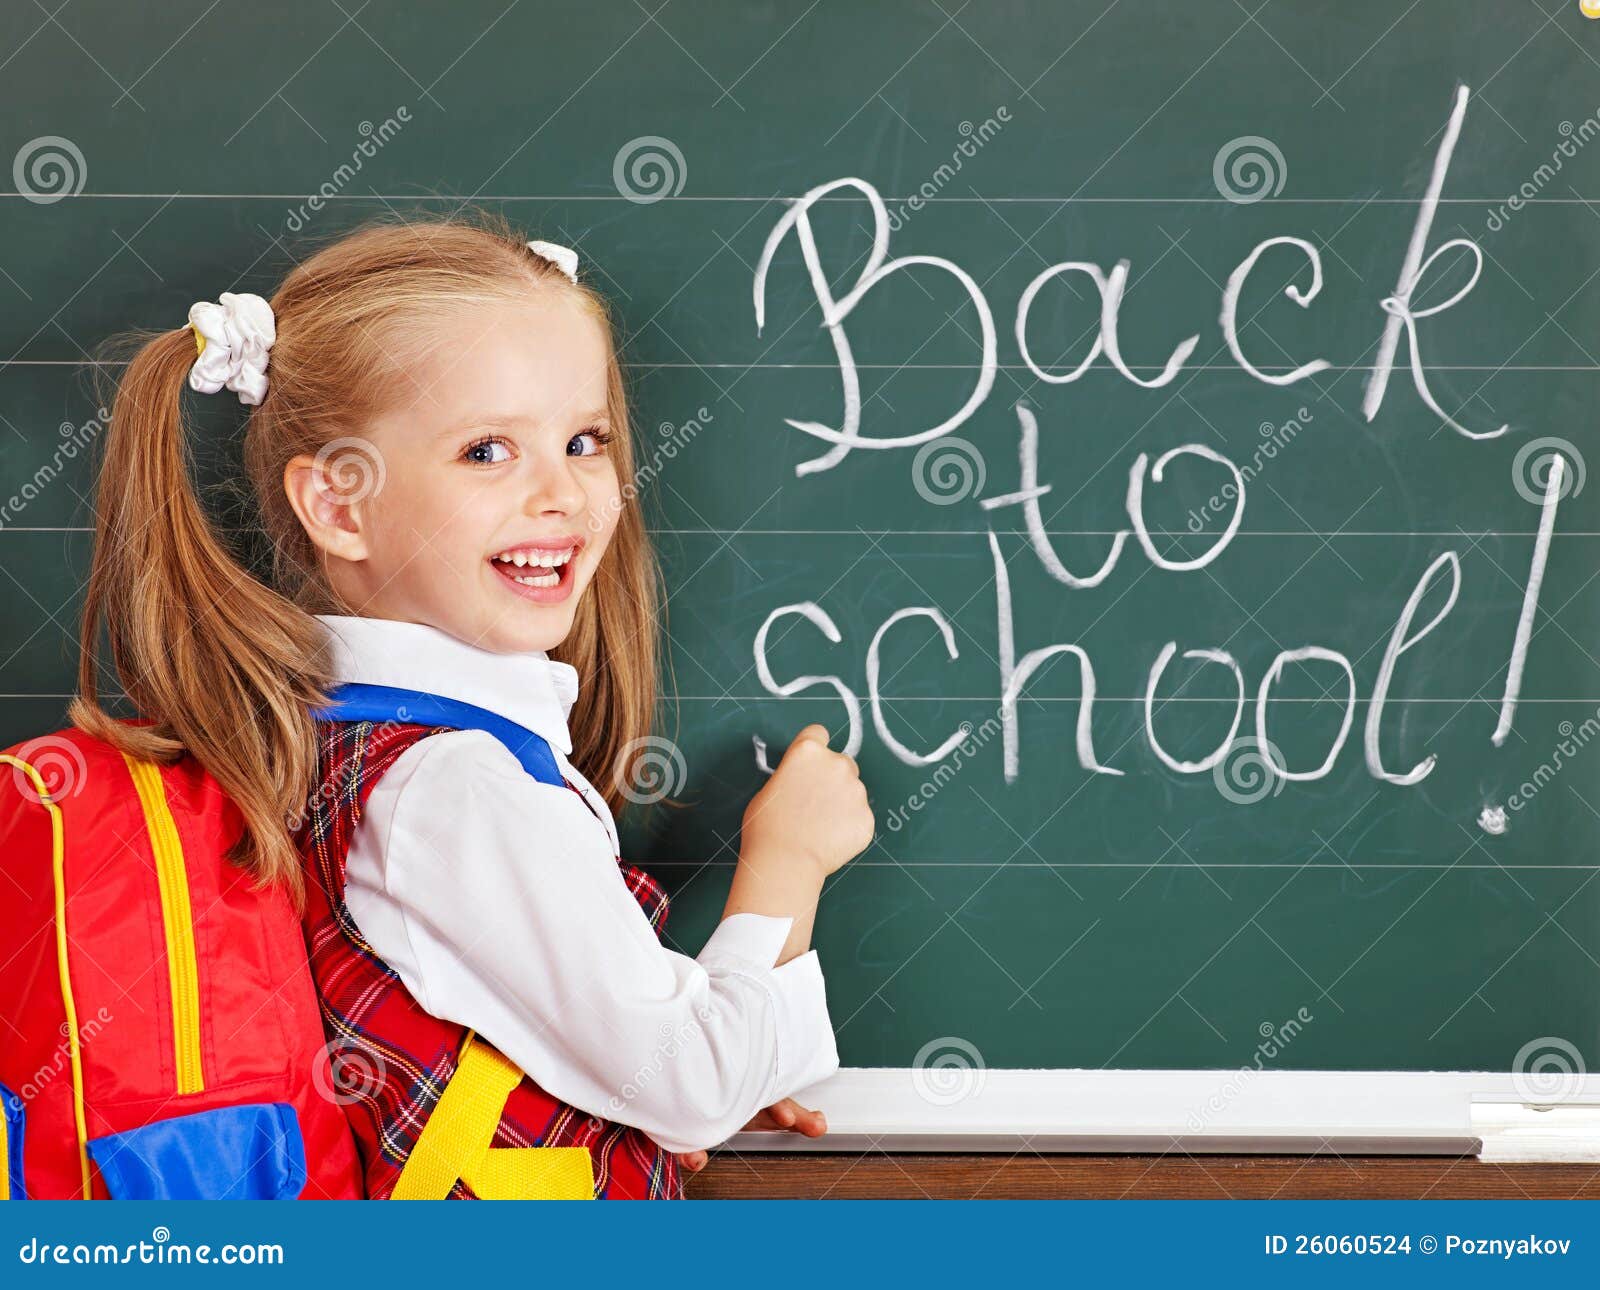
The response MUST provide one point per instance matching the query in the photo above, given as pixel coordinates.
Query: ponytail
(223, 667)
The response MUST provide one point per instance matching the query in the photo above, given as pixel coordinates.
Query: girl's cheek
(606, 513)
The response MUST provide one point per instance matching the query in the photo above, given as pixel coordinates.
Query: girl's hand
(789, 1114)
(814, 805)
(785, 1115)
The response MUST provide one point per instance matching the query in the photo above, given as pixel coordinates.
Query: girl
(440, 450)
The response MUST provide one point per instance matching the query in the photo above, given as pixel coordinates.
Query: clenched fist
(815, 805)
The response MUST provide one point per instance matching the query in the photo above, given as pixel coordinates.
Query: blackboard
(1061, 918)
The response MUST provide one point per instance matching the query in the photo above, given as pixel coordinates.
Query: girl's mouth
(543, 575)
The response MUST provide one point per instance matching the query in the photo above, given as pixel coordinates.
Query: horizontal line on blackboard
(1274, 369)
(1484, 700)
(1177, 866)
(887, 197)
(1160, 533)
(1164, 533)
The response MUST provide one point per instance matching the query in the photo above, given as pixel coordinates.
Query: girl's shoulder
(449, 773)
(470, 758)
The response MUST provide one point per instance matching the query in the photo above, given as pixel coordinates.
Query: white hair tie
(563, 257)
(232, 337)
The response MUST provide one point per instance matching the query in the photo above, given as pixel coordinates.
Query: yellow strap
(454, 1142)
(58, 875)
(533, 1173)
(5, 1160)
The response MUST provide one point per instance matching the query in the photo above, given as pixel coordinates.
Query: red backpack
(161, 1032)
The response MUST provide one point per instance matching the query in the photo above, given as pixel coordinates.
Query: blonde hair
(225, 665)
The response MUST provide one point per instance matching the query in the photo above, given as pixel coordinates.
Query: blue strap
(11, 1106)
(361, 702)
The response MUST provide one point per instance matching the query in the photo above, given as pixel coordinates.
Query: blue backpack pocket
(252, 1152)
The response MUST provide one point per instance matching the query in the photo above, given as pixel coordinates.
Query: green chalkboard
(1055, 916)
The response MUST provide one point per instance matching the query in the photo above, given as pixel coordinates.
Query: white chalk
(1530, 599)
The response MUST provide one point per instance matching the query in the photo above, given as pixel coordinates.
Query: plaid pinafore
(392, 1060)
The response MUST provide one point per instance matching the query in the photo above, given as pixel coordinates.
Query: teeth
(539, 559)
(548, 562)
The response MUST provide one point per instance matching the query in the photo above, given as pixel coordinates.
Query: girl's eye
(483, 452)
(590, 443)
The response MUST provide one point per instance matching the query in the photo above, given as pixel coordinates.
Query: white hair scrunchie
(233, 337)
(563, 257)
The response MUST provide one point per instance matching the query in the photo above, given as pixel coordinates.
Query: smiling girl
(461, 612)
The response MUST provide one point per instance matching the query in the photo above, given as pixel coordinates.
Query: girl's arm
(810, 819)
(497, 901)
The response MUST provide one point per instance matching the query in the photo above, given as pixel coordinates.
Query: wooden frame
(737, 1175)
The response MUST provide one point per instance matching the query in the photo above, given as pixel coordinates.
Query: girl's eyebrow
(507, 420)
(497, 421)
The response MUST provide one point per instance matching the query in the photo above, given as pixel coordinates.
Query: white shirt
(499, 903)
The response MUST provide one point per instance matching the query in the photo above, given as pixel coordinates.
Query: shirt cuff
(749, 944)
(807, 1053)
(749, 941)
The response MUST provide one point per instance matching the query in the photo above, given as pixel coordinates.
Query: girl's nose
(556, 489)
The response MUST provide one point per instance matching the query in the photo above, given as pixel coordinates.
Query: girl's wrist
(769, 863)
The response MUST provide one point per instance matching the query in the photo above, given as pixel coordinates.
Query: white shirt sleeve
(499, 904)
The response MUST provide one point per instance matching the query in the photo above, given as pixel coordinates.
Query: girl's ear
(332, 517)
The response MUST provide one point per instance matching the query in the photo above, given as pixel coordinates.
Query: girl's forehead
(546, 360)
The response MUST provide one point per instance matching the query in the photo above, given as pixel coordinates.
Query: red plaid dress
(391, 1059)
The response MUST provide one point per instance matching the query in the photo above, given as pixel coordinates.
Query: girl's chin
(509, 634)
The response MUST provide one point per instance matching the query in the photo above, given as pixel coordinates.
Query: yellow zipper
(182, 968)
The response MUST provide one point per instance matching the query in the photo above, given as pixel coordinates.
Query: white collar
(531, 689)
